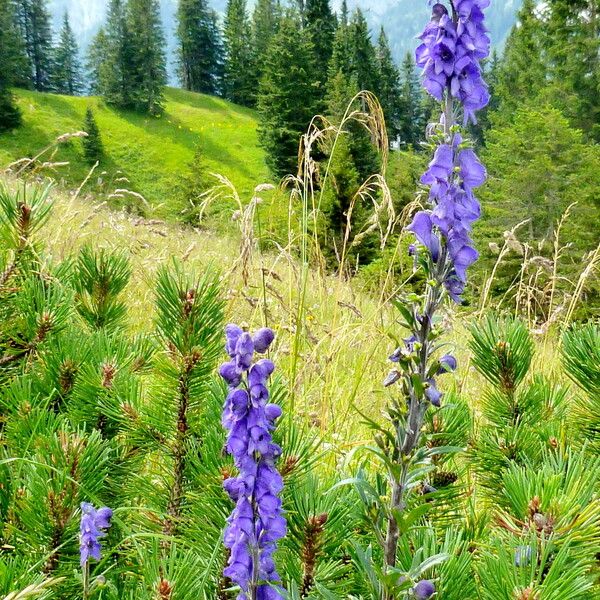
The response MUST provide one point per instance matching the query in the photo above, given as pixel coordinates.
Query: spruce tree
(112, 58)
(199, 62)
(66, 76)
(34, 22)
(265, 21)
(239, 74)
(149, 73)
(287, 98)
(341, 55)
(522, 74)
(572, 43)
(95, 61)
(363, 56)
(12, 58)
(320, 26)
(389, 86)
(93, 148)
(411, 113)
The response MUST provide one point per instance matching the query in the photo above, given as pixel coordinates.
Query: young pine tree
(149, 63)
(92, 144)
(34, 22)
(265, 21)
(11, 51)
(199, 53)
(66, 74)
(389, 88)
(288, 98)
(195, 187)
(239, 73)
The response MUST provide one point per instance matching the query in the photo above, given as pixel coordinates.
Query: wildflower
(424, 589)
(450, 53)
(256, 523)
(92, 528)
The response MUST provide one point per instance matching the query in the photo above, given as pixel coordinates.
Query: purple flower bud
(424, 589)
(244, 351)
(447, 364)
(392, 378)
(232, 334)
(262, 339)
(230, 373)
(433, 394)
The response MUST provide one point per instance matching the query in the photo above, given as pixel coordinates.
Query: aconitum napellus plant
(257, 522)
(93, 525)
(452, 46)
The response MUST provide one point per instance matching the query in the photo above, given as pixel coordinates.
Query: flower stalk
(452, 46)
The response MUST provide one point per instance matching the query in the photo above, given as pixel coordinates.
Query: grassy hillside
(152, 153)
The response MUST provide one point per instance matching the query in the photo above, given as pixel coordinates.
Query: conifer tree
(364, 59)
(195, 187)
(34, 22)
(12, 57)
(288, 98)
(111, 58)
(389, 86)
(320, 26)
(92, 144)
(149, 74)
(239, 74)
(199, 62)
(66, 74)
(572, 42)
(523, 72)
(265, 20)
(410, 118)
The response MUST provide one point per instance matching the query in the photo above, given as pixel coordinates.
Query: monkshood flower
(256, 523)
(452, 47)
(93, 526)
(452, 176)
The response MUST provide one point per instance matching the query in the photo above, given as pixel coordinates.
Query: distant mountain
(402, 19)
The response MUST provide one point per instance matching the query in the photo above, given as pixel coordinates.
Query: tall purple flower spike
(256, 523)
(92, 527)
(452, 47)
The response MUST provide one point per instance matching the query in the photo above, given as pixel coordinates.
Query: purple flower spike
(424, 589)
(92, 528)
(256, 523)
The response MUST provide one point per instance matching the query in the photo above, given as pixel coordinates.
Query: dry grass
(334, 356)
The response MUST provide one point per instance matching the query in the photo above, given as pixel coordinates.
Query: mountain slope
(152, 154)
